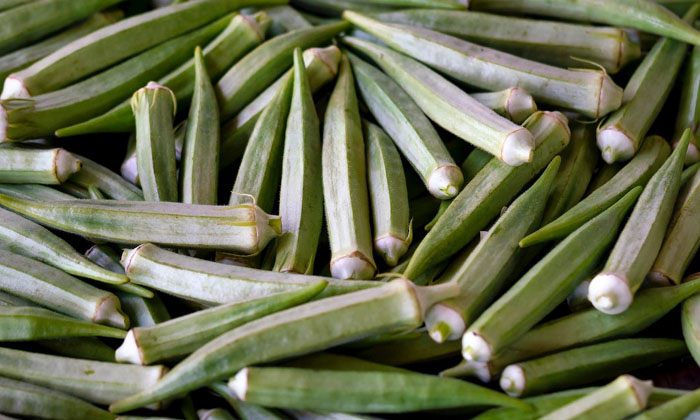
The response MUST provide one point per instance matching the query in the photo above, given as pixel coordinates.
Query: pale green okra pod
(36, 166)
(106, 257)
(514, 103)
(93, 174)
(23, 323)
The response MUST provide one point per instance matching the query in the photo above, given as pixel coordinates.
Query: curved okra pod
(449, 106)
(584, 365)
(552, 42)
(676, 409)
(362, 391)
(410, 129)
(93, 174)
(387, 189)
(483, 273)
(485, 195)
(52, 288)
(545, 285)
(621, 134)
(636, 173)
(301, 192)
(22, 323)
(106, 257)
(345, 183)
(181, 336)
(690, 321)
(514, 103)
(590, 92)
(240, 36)
(612, 290)
(36, 166)
(304, 329)
(245, 228)
(689, 108)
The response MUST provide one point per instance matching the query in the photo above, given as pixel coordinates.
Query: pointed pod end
(609, 293)
(513, 380)
(391, 248)
(476, 348)
(444, 323)
(518, 147)
(353, 266)
(239, 384)
(14, 88)
(445, 182)
(615, 145)
(129, 351)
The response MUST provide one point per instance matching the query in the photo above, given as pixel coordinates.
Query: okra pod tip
(392, 247)
(519, 104)
(445, 182)
(513, 380)
(154, 88)
(476, 348)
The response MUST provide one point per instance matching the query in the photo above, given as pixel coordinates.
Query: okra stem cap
(513, 380)
(610, 293)
(476, 348)
(518, 147)
(615, 145)
(450, 327)
(445, 182)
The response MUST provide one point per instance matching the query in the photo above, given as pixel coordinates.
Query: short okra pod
(545, 285)
(22, 323)
(35, 166)
(636, 173)
(676, 409)
(689, 108)
(344, 176)
(106, 257)
(584, 365)
(362, 391)
(514, 103)
(245, 228)
(301, 191)
(93, 174)
(612, 290)
(590, 92)
(410, 129)
(449, 106)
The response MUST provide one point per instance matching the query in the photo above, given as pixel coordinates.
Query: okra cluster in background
(344, 209)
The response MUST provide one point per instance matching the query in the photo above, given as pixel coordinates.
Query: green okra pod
(603, 174)
(35, 192)
(635, 173)
(689, 108)
(362, 391)
(639, 243)
(514, 103)
(344, 177)
(690, 321)
(590, 92)
(22, 323)
(286, 19)
(95, 193)
(301, 191)
(336, 8)
(552, 42)
(143, 312)
(689, 172)
(7, 299)
(106, 257)
(93, 174)
(245, 228)
(678, 7)
(491, 189)
(36, 166)
(449, 106)
(675, 409)
(244, 410)
(545, 285)
(9, 4)
(417, 348)
(215, 414)
(181, 336)
(89, 348)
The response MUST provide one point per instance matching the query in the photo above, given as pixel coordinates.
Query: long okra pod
(689, 108)
(92, 173)
(485, 195)
(514, 103)
(545, 285)
(449, 106)
(556, 43)
(590, 92)
(345, 183)
(35, 166)
(636, 173)
(604, 174)
(181, 336)
(245, 228)
(22, 323)
(482, 274)
(301, 192)
(612, 290)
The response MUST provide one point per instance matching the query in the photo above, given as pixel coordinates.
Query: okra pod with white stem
(557, 43)
(492, 188)
(301, 191)
(545, 285)
(23, 323)
(590, 92)
(106, 257)
(612, 290)
(93, 174)
(635, 173)
(410, 129)
(514, 103)
(448, 105)
(244, 229)
(482, 274)
(36, 166)
(676, 409)
(181, 336)
(689, 108)
(344, 176)
(304, 329)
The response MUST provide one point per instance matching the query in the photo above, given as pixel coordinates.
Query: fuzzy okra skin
(244, 229)
(590, 92)
(551, 42)
(639, 243)
(22, 323)
(448, 105)
(181, 336)
(410, 129)
(36, 166)
(635, 173)
(545, 285)
(359, 391)
(514, 103)
(310, 327)
(485, 195)
(344, 177)
(301, 191)
(483, 273)
(584, 365)
(93, 174)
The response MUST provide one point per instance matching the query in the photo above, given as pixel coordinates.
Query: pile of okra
(349, 209)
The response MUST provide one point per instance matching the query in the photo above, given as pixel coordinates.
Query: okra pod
(7, 299)
(689, 108)
(22, 323)
(689, 172)
(417, 348)
(675, 409)
(310, 327)
(181, 336)
(9, 4)
(143, 312)
(551, 42)
(635, 173)
(286, 19)
(93, 174)
(545, 285)
(106, 257)
(514, 103)
(678, 7)
(590, 92)
(89, 348)
(612, 290)
(36, 166)
(244, 410)
(603, 174)
(244, 229)
(35, 192)
(215, 414)
(690, 321)
(301, 192)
